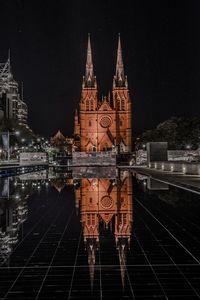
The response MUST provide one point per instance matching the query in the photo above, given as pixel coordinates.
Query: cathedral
(104, 125)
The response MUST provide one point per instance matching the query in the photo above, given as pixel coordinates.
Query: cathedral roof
(104, 105)
(58, 135)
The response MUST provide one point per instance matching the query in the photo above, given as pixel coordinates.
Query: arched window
(92, 104)
(118, 104)
(90, 123)
(88, 219)
(93, 219)
(123, 104)
(125, 220)
(87, 105)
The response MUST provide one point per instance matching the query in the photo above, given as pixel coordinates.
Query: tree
(180, 133)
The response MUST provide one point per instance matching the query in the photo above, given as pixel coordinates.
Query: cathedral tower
(88, 105)
(104, 125)
(122, 104)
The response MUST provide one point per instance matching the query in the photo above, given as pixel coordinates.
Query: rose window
(106, 202)
(105, 122)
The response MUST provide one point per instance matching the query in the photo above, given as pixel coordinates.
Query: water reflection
(13, 212)
(14, 192)
(103, 201)
(69, 234)
(106, 204)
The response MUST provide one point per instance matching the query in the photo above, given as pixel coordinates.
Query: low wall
(173, 155)
(181, 167)
(33, 158)
(106, 158)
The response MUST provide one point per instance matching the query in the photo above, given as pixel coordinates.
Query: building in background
(12, 105)
(104, 125)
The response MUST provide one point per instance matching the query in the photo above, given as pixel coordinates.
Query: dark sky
(48, 39)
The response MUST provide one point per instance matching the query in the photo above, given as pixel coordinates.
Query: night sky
(48, 40)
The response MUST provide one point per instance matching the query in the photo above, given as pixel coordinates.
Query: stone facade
(104, 125)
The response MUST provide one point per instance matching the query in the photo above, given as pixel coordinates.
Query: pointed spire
(89, 73)
(22, 91)
(122, 252)
(119, 74)
(109, 97)
(76, 124)
(91, 249)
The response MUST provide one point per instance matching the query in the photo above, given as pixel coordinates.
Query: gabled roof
(104, 105)
(58, 135)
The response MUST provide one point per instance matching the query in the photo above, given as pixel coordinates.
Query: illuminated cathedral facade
(104, 125)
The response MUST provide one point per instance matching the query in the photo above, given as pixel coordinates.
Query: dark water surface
(97, 234)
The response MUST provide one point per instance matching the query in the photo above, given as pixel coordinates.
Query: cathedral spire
(120, 78)
(89, 79)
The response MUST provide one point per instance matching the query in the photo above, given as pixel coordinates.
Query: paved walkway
(187, 182)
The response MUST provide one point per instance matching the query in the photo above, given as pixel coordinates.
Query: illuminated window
(93, 219)
(118, 104)
(123, 104)
(87, 105)
(125, 221)
(88, 219)
(120, 219)
(92, 105)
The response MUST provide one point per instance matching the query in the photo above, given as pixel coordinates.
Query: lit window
(87, 104)
(118, 104)
(88, 219)
(93, 219)
(125, 219)
(123, 104)
(92, 105)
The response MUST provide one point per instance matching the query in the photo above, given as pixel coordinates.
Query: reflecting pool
(97, 233)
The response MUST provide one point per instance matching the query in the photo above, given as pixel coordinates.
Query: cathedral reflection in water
(106, 204)
(103, 200)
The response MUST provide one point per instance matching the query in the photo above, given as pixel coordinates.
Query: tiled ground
(50, 260)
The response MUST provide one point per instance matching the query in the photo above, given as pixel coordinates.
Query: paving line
(169, 232)
(42, 284)
(163, 248)
(56, 216)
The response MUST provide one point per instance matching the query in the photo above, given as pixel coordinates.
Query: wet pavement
(97, 234)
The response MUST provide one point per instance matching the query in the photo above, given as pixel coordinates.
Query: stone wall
(180, 167)
(173, 155)
(105, 158)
